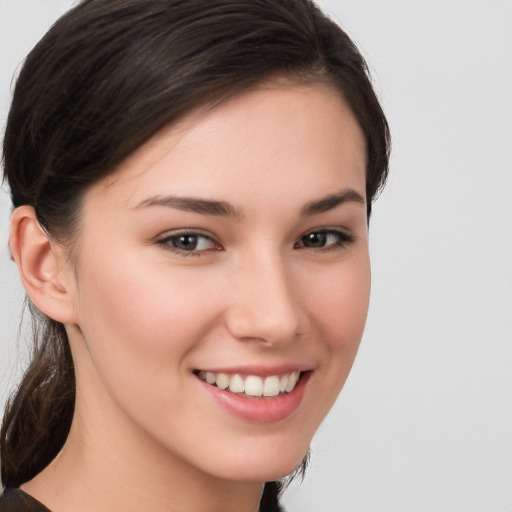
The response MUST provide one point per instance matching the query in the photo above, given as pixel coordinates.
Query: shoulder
(15, 500)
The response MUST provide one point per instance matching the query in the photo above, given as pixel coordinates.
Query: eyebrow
(194, 204)
(225, 209)
(332, 201)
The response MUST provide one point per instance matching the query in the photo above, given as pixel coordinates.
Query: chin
(263, 466)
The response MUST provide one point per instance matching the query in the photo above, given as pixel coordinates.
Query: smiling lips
(252, 385)
(265, 398)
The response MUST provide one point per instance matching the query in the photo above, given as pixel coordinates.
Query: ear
(45, 273)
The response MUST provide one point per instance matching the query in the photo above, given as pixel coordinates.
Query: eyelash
(167, 242)
(342, 239)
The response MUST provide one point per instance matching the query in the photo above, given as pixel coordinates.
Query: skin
(142, 316)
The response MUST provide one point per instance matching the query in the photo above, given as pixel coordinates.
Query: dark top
(15, 500)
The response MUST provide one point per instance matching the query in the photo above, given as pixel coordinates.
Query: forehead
(273, 138)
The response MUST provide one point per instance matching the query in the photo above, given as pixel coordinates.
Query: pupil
(186, 242)
(316, 240)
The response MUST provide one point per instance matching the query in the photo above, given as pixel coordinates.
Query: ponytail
(270, 497)
(38, 414)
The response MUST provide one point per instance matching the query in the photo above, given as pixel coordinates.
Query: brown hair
(104, 79)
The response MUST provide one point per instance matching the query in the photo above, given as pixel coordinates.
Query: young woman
(192, 183)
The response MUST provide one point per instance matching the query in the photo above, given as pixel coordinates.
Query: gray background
(424, 423)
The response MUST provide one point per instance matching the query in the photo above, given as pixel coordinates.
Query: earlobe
(42, 266)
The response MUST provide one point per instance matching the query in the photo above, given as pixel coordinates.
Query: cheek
(140, 317)
(338, 310)
(340, 306)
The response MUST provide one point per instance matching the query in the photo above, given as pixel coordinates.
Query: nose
(264, 305)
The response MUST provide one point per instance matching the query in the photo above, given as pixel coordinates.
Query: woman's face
(229, 251)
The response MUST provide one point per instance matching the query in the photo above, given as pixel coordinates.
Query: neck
(106, 466)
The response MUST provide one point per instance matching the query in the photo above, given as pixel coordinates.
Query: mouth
(252, 386)
(265, 398)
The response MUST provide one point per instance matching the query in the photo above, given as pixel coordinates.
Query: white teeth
(252, 385)
(292, 380)
(236, 384)
(271, 386)
(222, 380)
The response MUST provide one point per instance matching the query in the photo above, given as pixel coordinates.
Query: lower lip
(260, 409)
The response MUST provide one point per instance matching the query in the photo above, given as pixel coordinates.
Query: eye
(324, 239)
(189, 242)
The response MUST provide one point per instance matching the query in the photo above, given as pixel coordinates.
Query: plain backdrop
(424, 423)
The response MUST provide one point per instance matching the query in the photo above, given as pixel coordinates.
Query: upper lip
(259, 370)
